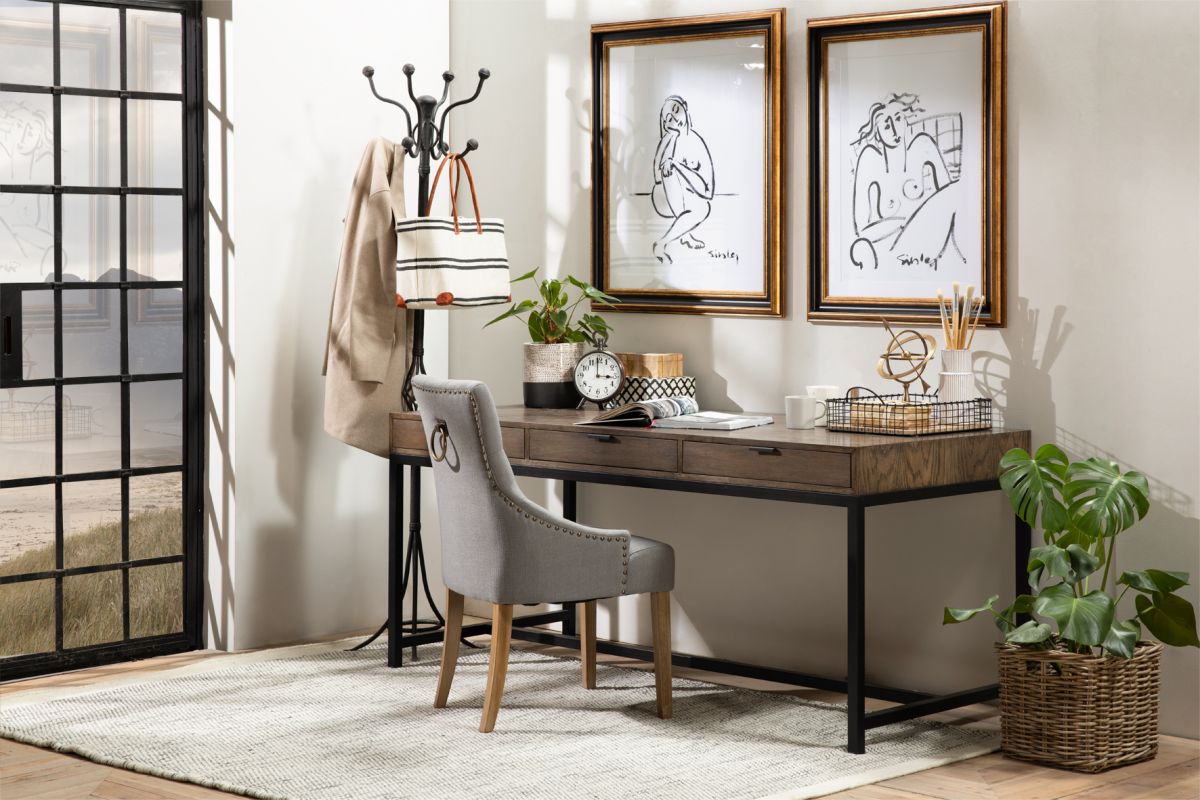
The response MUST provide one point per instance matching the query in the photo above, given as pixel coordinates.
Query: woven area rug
(317, 722)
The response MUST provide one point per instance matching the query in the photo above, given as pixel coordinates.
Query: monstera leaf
(953, 615)
(1071, 563)
(1085, 620)
(1102, 500)
(1122, 638)
(1169, 617)
(1034, 483)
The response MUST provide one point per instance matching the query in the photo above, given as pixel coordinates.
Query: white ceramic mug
(823, 392)
(802, 410)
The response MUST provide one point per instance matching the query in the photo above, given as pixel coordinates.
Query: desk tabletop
(772, 456)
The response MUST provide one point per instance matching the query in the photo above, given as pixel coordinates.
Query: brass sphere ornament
(907, 355)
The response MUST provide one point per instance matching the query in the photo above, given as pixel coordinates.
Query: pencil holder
(957, 378)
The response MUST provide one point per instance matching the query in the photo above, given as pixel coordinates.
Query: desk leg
(395, 655)
(570, 511)
(855, 628)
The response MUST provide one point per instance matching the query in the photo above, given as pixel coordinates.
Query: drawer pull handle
(765, 451)
(602, 437)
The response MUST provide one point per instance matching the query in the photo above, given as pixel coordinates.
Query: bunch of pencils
(960, 317)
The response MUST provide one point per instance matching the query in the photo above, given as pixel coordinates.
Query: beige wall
(297, 521)
(1100, 354)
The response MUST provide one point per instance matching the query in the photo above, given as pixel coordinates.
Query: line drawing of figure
(26, 220)
(684, 183)
(905, 195)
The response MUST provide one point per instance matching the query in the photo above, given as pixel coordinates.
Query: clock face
(598, 376)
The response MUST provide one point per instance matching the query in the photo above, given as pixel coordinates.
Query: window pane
(90, 41)
(27, 30)
(156, 143)
(37, 335)
(91, 427)
(155, 47)
(155, 240)
(26, 432)
(91, 240)
(26, 530)
(156, 423)
(26, 138)
(155, 600)
(91, 332)
(91, 523)
(91, 131)
(92, 609)
(26, 618)
(156, 515)
(26, 236)
(155, 330)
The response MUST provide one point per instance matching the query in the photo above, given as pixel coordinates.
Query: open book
(674, 412)
(644, 413)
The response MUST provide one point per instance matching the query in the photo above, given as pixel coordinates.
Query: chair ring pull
(438, 439)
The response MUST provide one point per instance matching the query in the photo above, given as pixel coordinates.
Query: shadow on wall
(219, 482)
(1019, 383)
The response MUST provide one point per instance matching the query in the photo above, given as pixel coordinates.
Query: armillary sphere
(907, 355)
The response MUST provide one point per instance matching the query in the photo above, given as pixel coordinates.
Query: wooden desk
(850, 470)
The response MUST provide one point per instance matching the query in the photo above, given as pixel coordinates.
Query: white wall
(1100, 354)
(297, 520)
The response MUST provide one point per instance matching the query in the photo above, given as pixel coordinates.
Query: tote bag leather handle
(457, 166)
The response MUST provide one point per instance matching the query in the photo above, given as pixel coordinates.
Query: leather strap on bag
(454, 177)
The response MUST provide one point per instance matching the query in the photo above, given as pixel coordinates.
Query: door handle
(765, 451)
(602, 437)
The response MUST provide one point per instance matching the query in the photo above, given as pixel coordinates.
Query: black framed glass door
(101, 332)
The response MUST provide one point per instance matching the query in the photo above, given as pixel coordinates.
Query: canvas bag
(451, 261)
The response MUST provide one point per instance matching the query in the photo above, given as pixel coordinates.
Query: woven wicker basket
(1081, 712)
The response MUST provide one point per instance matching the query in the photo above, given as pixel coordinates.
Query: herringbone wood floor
(29, 772)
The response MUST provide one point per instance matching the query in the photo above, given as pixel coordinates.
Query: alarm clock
(599, 375)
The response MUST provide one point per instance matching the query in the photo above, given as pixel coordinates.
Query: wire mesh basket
(23, 421)
(918, 415)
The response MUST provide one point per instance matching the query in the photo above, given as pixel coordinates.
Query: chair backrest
(469, 466)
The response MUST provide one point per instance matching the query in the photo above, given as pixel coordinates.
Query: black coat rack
(424, 141)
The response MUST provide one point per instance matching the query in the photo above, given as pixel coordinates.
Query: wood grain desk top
(769, 456)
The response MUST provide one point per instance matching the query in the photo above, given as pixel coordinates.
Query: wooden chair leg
(587, 642)
(454, 617)
(502, 614)
(660, 612)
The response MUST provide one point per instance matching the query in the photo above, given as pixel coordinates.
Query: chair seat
(651, 566)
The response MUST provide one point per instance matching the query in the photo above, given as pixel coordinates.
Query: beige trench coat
(366, 352)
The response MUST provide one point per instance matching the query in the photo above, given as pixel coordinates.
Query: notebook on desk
(674, 412)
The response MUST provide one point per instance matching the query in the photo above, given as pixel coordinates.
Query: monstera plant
(1075, 594)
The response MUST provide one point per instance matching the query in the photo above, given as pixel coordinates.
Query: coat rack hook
(408, 70)
(369, 72)
(472, 144)
(447, 77)
(484, 74)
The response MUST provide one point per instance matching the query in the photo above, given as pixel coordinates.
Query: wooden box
(652, 365)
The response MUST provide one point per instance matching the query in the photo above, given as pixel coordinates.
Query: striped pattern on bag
(436, 268)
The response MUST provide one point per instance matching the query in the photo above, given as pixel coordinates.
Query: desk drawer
(604, 448)
(778, 464)
(407, 434)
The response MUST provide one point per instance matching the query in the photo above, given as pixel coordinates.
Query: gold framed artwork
(906, 162)
(688, 164)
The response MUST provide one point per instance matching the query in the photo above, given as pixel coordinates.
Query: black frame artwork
(827, 300)
(145, 303)
(765, 136)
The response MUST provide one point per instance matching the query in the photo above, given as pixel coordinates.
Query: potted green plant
(1078, 685)
(557, 340)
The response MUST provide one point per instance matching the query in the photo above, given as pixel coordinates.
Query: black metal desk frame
(859, 720)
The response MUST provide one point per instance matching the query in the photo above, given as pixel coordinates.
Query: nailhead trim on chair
(487, 466)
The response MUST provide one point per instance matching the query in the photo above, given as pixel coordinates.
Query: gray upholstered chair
(500, 547)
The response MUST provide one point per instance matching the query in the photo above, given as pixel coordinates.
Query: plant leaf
(1102, 500)
(526, 276)
(1022, 605)
(1031, 632)
(953, 615)
(1153, 580)
(1122, 638)
(1084, 620)
(512, 312)
(537, 329)
(1072, 563)
(1034, 484)
(1169, 617)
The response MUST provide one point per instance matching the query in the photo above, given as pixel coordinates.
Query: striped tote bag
(451, 261)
